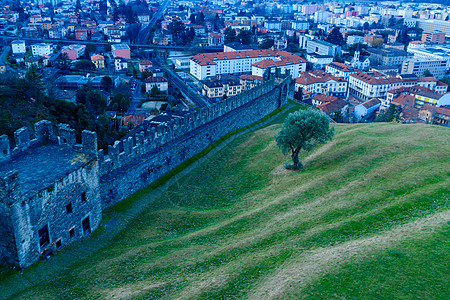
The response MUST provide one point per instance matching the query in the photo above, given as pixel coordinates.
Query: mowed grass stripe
(234, 224)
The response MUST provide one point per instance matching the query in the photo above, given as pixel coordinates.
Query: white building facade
(41, 49)
(240, 62)
(18, 47)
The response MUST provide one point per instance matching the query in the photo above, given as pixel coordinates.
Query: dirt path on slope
(311, 265)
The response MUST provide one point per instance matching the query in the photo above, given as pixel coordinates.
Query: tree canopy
(303, 129)
(335, 37)
(267, 43)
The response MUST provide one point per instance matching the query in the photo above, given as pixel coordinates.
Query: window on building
(58, 244)
(83, 196)
(44, 238)
(86, 226)
(69, 208)
(72, 232)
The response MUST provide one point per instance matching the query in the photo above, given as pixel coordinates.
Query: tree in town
(120, 103)
(267, 43)
(154, 91)
(84, 64)
(106, 83)
(229, 35)
(427, 73)
(90, 48)
(335, 37)
(192, 18)
(200, 19)
(303, 130)
(245, 37)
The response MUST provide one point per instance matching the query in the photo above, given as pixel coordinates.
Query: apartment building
(387, 57)
(418, 66)
(41, 49)
(322, 48)
(219, 87)
(160, 82)
(340, 70)
(366, 86)
(18, 47)
(73, 51)
(98, 60)
(432, 53)
(355, 39)
(320, 82)
(121, 50)
(240, 62)
(435, 36)
(431, 25)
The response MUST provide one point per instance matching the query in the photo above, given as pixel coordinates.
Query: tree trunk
(297, 164)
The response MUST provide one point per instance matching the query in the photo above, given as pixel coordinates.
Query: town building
(98, 60)
(29, 32)
(322, 48)
(340, 70)
(74, 51)
(222, 86)
(366, 86)
(160, 82)
(436, 52)
(432, 25)
(41, 49)
(240, 62)
(235, 46)
(435, 36)
(366, 109)
(81, 34)
(215, 39)
(435, 115)
(120, 64)
(418, 66)
(121, 50)
(249, 81)
(358, 61)
(18, 47)
(355, 39)
(320, 82)
(387, 57)
(319, 61)
(145, 65)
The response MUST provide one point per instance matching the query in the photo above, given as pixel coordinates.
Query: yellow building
(219, 88)
(98, 61)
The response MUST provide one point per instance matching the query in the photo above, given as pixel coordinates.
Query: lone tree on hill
(303, 129)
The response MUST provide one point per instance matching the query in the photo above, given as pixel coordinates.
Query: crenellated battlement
(43, 133)
(149, 138)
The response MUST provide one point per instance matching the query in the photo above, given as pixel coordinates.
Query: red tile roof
(325, 98)
(342, 67)
(375, 79)
(371, 103)
(316, 76)
(204, 59)
(156, 79)
(331, 107)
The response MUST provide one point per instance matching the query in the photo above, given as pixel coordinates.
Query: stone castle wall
(107, 178)
(135, 162)
(23, 214)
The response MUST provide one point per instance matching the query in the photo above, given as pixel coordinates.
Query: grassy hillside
(368, 218)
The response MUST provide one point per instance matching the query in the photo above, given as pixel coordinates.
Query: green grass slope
(368, 218)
